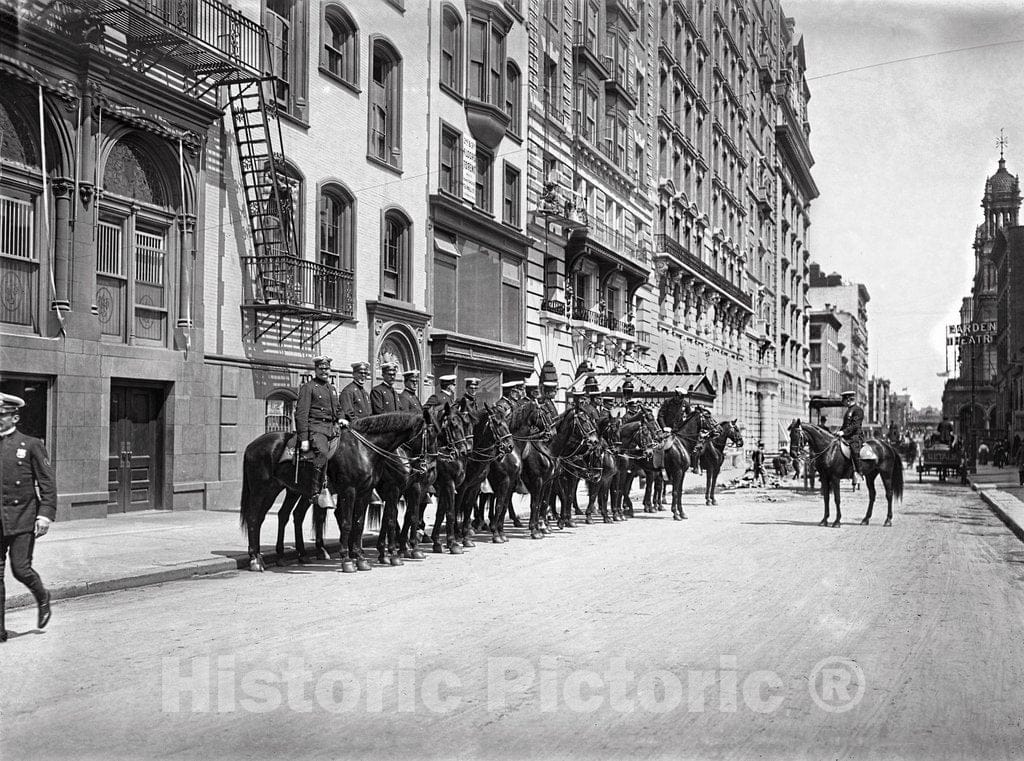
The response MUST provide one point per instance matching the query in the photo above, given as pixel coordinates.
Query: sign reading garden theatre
(969, 333)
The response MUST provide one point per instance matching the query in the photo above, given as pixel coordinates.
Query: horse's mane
(387, 422)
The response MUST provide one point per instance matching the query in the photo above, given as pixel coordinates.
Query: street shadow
(788, 523)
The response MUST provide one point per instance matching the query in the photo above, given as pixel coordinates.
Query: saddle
(291, 449)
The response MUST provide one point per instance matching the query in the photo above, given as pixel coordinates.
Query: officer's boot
(309, 479)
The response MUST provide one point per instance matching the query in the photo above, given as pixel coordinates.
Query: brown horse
(354, 469)
(712, 456)
(832, 465)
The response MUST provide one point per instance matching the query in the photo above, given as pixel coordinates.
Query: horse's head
(453, 438)
(492, 431)
(731, 430)
(574, 430)
(610, 427)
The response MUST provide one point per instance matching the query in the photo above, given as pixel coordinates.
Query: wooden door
(136, 439)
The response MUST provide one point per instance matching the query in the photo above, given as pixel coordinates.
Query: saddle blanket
(291, 445)
(867, 453)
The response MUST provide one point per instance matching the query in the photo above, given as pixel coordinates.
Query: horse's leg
(298, 517)
(887, 485)
(343, 514)
(362, 502)
(713, 471)
(282, 523)
(254, 522)
(707, 483)
(826, 493)
(836, 489)
(869, 479)
(319, 521)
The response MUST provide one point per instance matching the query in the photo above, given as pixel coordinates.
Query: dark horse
(637, 439)
(353, 470)
(712, 456)
(833, 467)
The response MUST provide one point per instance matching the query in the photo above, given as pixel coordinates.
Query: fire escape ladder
(267, 192)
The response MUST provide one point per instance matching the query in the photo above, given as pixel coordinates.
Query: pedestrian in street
(317, 413)
(757, 460)
(28, 505)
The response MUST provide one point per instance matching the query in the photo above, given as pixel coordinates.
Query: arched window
(513, 99)
(662, 364)
(337, 228)
(385, 113)
(135, 244)
(451, 50)
(340, 54)
(279, 411)
(396, 256)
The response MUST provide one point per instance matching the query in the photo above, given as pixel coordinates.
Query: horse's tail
(897, 475)
(246, 502)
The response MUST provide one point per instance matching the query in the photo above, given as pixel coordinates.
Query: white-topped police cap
(11, 403)
(322, 361)
(532, 383)
(472, 381)
(846, 394)
(550, 384)
(360, 367)
(390, 366)
(512, 384)
(447, 378)
(411, 374)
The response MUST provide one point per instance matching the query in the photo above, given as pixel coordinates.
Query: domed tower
(1001, 201)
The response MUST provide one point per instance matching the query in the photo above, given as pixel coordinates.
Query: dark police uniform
(439, 399)
(354, 402)
(851, 430)
(383, 398)
(24, 467)
(316, 412)
(408, 401)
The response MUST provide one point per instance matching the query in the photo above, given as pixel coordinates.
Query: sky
(902, 151)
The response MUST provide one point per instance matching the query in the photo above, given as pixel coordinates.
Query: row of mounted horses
(452, 450)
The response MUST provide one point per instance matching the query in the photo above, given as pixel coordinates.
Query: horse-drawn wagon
(940, 459)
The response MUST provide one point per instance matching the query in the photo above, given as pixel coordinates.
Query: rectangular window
(510, 196)
(483, 198)
(150, 289)
(111, 279)
(478, 60)
(815, 353)
(19, 262)
(496, 90)
(450, 178)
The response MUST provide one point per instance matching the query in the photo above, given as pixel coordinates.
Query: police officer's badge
(21, 453)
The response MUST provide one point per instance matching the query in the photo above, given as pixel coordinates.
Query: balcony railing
(621, 244)
(670, 245)
(554, 306)
(203, 36)
(619, 79)
(290, 284)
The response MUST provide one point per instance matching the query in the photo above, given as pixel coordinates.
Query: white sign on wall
(468, 168)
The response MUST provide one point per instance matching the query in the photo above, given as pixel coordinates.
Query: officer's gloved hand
(304, 446)
(343, 423)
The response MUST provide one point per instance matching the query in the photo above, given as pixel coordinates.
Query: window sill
(449, 194)
(383, 164)
(398, 5)
(292, 119)
(512, 225)
(514, 137)
(451, 92)
(351, 86)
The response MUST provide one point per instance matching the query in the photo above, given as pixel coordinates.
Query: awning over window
(696, 386)
(445, 246)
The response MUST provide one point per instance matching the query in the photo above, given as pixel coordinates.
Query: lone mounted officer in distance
(850, 431)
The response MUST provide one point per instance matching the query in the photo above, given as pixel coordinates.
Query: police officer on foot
(384, 396)
(28, 505)
(354, 401)
(316, 413)
(850, 430)
(409, 397)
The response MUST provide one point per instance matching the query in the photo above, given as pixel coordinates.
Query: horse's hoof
(517, 523)
(279, 561)
(606, 519)
(302, 560)
(502, 537)
(468, 543)
(323, 554)
(589, 520)
(823, 522)
(545, 528)
(682, 515)
(255, 564)
(362, 565)
(571, 523)
(536, 534)
(887, 523)
(495, 539)
(407, 554)
(456, 549)
(418, 554)
(438, 549)
(836, 524)
(347, 566)
(714, 502)
(865, 522)
(394, 560)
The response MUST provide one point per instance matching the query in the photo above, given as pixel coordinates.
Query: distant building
(849, 301)
(825, 357)
(877, 411)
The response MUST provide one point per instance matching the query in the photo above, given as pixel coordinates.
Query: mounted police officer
(850, 430)
(445, 393)
(384, 396)
(589, 403)
(316, 413)
(28, 505)
(408, 397)
(547, 401)
(472, 386)
(354, 401)
(511, 394)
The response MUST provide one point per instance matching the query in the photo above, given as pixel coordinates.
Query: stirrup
(325, 499)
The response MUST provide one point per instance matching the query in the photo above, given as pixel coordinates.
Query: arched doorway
(662, 364)
(397, 347)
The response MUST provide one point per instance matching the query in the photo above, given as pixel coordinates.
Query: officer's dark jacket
(852, 421)
(439, 399)
(383, 398)
(354, 401)
(316, 409)
(409, 402)
(23, 466)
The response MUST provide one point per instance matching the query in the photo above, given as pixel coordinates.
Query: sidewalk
(129, 550)
(1001, 490)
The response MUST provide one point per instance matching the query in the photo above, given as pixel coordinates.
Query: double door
(136, 448)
